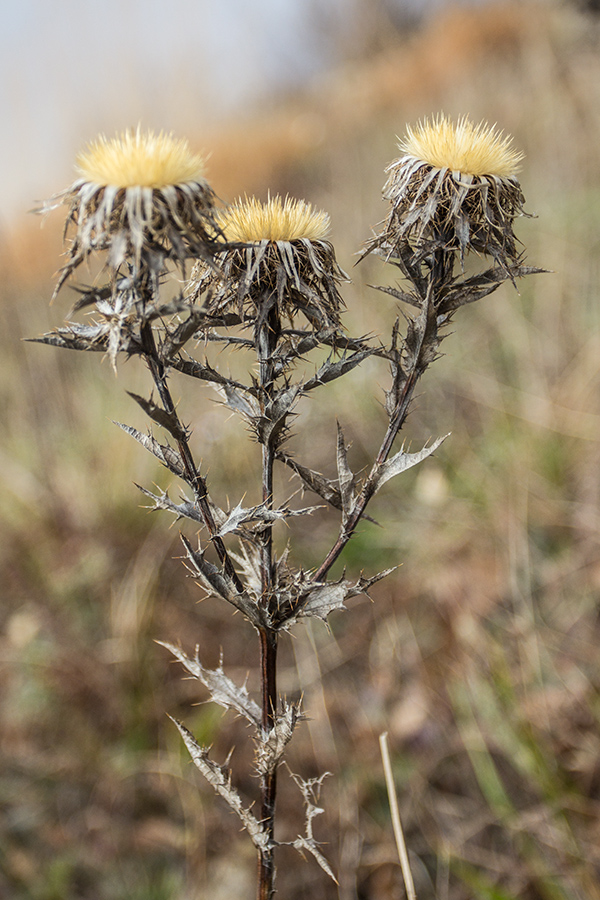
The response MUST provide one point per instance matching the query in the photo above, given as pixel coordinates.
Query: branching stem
(440, 272)
(396, 423)
(193, 476)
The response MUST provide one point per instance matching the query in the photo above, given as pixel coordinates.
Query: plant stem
(266, 861)
(193, 476)
(267, 331)
(396, 422)
(440, 273)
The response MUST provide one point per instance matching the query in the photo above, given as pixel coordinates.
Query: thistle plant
(265, 281)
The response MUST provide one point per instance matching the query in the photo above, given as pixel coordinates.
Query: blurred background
(479, 655)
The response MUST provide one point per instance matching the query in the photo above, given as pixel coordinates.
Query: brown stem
(442, 265)
(396, 423)
(266, 860)
(193, 476)
(267, 334)
(266, 337)
(267, 536)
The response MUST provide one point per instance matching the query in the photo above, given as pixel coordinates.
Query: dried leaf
(159, 310)
(403, 296)
(168, 421)
(218, 583)
(468, 290)
(118, 312)
(95, 337)
(220, 778)
(205, 372)
(270, 746)
(181, 510)
(167, 455)
(321, 599)
(402, 461)
(345, 476)
(240, 516)
(311, 789)
(235, 400)
(329, 371)
(67, 339)
(249, 560)
(271, 425)
(312, 847)
(282, 403)
(314, 481)
(177, 337)
(89, 296)
(223, 690)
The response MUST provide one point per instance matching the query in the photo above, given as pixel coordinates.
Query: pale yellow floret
(140, 159)
(463, 147)
(249, 221)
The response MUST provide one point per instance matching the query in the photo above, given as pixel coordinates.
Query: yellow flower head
(286, 260)
(250, 221)
(143, 159)
(142, 198)
(453, 187)
(462, 147)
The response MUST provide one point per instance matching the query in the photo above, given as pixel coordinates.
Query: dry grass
(480, 659)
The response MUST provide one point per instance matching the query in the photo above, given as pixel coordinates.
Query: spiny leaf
(281, 404)
(167, 455)
(402, 461)
(220, 778)
(271, 744)
(162, 310)
(222, 689)
(468, 290)
(218, 583)
(68, 340)
(314, 481)
(178, 336)
(249, 559)
(345, 475)
(89, 296)
(168, 421)
(321, 599)
(205, 372)
(235, 400)
(310, 845)
(329, 371)
(163, 501)
(403, 296)
(240, 516)
(94, 337)
(311, 789)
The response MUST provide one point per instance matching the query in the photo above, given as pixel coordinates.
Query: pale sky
(70, 69)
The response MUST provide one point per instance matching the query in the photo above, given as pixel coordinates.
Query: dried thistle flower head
(454, 186)
(136, 159)
(464, 147)
(140, 196)
(284, 257)
(277, 220)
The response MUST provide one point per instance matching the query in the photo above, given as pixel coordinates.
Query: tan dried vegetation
(480, 659)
